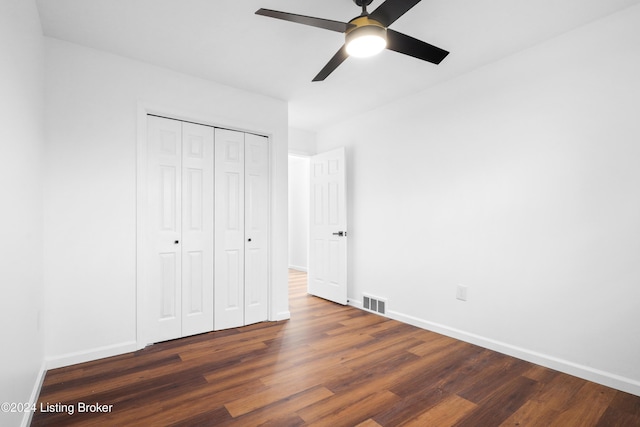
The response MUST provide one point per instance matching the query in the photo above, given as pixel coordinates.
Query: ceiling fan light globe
(366, 41)
(366, 46)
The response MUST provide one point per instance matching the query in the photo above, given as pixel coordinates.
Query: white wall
(93, 100)
(298, 212)
(302, 142)
(21, 152)
(521, 181)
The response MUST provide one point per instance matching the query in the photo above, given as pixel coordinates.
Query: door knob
(176, 242)
(249, 239)
(340, 233)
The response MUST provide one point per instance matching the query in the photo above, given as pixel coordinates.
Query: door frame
(143, 110)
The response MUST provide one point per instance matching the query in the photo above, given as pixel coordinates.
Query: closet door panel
(197, 228)
(256, 228)
(229, 229)
(163, 264)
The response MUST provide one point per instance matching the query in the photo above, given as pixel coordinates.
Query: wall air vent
(374, 304)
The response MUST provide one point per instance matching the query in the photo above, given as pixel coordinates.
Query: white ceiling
(224, 41)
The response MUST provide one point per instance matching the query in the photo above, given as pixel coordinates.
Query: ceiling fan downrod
(363, 4)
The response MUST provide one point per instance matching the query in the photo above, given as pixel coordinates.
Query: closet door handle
(249, 239)
(176, 242)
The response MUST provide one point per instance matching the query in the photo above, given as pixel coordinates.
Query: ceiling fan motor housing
(360, 2)
(364, 21)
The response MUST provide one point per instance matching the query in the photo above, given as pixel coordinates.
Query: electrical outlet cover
(461, 292)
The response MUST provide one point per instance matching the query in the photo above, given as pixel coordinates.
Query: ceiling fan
(367, 34)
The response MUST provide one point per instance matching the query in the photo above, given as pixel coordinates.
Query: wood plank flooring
(328, 366)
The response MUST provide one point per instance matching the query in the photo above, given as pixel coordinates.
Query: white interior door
(256, 228)
(242, 221)
(163, 233)
(229, 228)
(197, 229)
(179, 229)
(327, 277)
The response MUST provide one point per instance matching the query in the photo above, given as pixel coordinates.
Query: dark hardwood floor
(328, 366)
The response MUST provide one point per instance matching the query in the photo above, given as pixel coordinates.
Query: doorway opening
(318, 222)
(299, 212)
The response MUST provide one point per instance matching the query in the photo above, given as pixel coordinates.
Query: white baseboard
(283, 315)
(35, 393)
(298, 267)
(585, 372)
(89, 355)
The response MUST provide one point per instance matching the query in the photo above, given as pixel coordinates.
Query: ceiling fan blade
(403, 43)
(337, 59)
(389, 11)
(327, 24)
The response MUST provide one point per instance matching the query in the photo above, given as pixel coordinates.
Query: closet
(206, 229)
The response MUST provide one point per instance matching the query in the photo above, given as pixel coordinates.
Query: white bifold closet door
(241, 228)
(179, 229)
